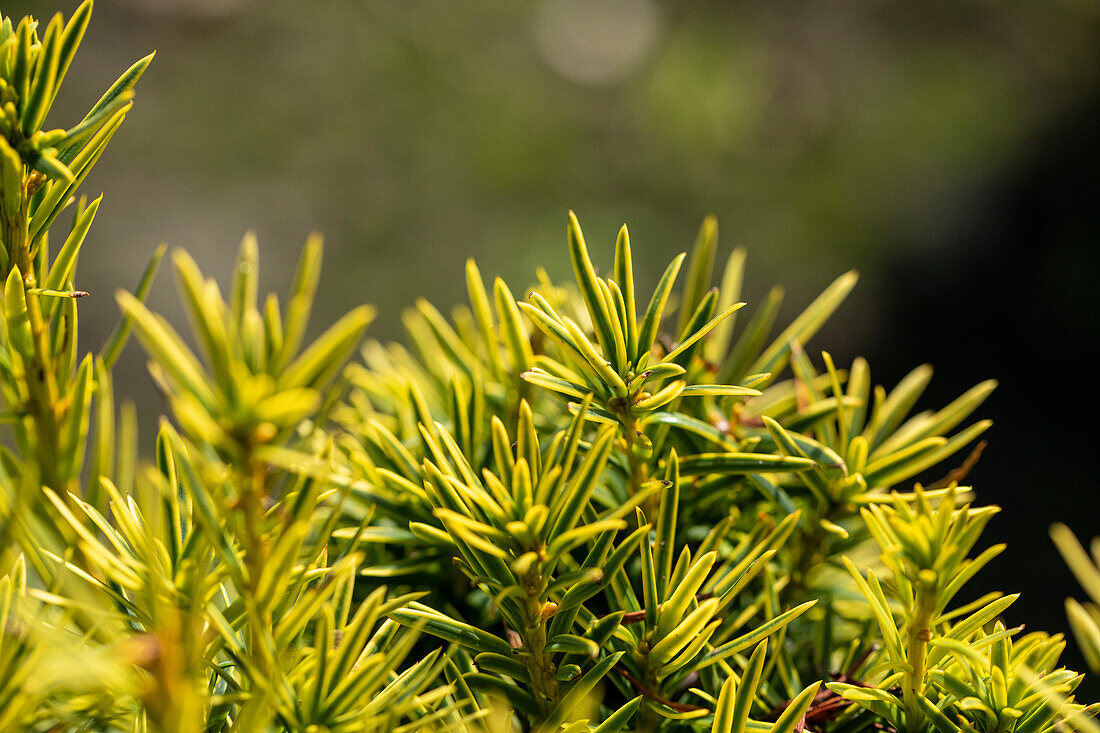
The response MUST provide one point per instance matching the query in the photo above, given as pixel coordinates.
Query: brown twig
(681, 707)
(958, 474)
(827, 704)
(858, 662)
(634, 617)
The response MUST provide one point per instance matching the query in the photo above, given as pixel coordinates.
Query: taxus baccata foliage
(597, 508)
(1084, 619)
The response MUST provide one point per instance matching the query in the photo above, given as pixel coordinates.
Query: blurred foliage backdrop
(948, 150)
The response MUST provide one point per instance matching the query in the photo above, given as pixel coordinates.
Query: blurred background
(946, 150)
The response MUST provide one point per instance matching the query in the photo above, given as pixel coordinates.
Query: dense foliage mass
(595, 509)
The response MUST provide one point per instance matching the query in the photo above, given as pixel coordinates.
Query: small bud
(265, 432)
